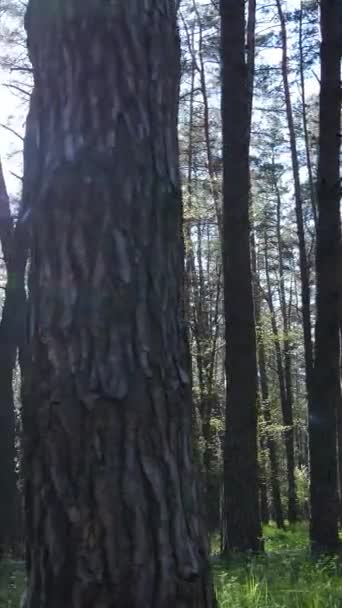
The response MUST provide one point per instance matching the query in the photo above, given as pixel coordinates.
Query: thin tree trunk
(251, 25)
(288, 405)
(241, 507)
(208, 399)
(213, 178)
(264, 508)
(339, 405)
(267, 440)
(303, 262)
(339, 454)
(286, 412)
(327, 388)
(198, 292)
(271, 442)
(190, 274)
(313, 196)
(111, 504)
(8, 482)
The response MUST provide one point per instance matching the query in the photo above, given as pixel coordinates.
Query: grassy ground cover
(285, 577)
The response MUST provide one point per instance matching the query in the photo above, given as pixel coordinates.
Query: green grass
(285, 577)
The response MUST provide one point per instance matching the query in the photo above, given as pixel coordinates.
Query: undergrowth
(284, 577)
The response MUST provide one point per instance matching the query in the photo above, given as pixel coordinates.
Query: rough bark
(242, 530)
(111, 503)
(339, 455)
(339, 406)
(327, 389)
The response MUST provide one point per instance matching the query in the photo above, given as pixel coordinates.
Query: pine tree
(242, 529)
(111, 503)
(327, 388)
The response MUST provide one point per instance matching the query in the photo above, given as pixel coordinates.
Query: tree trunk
(198, 281)
(286, 412)
(339, 455)
(303, 263)
(270, 440)
(206, 346)
(263, 498)
(213, 179)
(11, 337)
(251, 25)
(7, 415)
(242, 529)
(288, 404)
(111, 502)
(327, 389)
(305, 119)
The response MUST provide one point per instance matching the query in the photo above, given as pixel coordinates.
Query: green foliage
(12, 582)
(285, 577)
(302, 485)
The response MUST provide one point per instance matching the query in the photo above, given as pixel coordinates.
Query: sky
(13, 112)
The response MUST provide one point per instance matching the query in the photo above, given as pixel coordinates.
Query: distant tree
(267, 440)
(308, 47)
(8, 503)
(111, 503)
(13, 238)
(303, 257)
(327, 387)
(200, 156)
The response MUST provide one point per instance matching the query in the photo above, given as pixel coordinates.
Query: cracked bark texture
(111, 503)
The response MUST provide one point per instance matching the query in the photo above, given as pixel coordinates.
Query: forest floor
(285, 577)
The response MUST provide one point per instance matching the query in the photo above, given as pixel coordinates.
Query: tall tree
(203, 260)
(305, 56)
(268, 441)
(288, 403)
(242, 530)
(327, 396)
(303, 258)
(8, 524)
(13, 238)
(111, 504)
